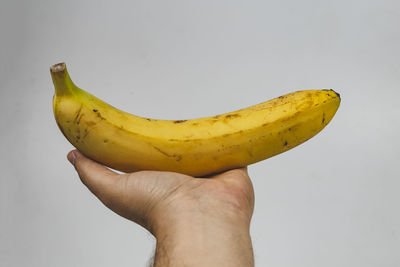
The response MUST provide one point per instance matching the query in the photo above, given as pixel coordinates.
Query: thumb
(111, 188)
(100, 180)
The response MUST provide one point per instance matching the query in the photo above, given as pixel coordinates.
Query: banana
(196, 147)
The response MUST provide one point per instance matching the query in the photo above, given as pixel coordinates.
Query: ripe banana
(195, 147)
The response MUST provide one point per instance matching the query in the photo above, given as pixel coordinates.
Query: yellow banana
(195, 147)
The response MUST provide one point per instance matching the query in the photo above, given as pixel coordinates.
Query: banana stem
(62, 82)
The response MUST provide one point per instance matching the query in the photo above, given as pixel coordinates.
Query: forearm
(204, 241)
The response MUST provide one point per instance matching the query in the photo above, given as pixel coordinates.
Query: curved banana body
(195, 147)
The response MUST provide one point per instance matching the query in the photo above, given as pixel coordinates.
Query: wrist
(204, 239)
(200, 221)
(190, 215)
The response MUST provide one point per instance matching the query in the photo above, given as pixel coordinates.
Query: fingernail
(71, 157)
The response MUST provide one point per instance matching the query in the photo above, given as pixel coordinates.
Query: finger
(100, 180)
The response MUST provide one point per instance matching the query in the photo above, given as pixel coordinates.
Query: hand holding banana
(195, 147)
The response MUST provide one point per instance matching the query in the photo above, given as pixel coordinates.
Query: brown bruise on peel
(323, 118)
(85, 133)
(80, 131)
(233, 147)
(78, 135)
(99, 115)
(179, 121)
(79, 118)
(304, 106)
(177, 157)
(91, 123)
(78, 113)
(231, 116)
(250, 152)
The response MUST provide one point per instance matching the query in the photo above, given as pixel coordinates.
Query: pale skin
(196, 221)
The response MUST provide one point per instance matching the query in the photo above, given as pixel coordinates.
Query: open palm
(152, 197)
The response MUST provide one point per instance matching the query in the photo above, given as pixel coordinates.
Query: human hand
(197, 221)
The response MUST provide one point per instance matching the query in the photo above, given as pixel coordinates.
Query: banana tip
(337, 94)
(58, 67)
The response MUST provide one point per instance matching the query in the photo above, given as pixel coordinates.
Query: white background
(333, 201)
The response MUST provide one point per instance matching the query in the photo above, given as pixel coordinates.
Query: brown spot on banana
(231, 116)
(79, 119)
(78, 113)
(90, 123)
(179, 121)
(99, 115)
(304, 105)
(177, 157)
(86, 132)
